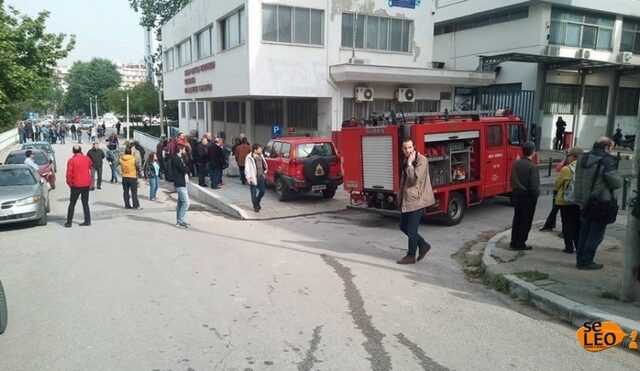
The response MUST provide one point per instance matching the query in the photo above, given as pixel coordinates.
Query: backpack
(569, 189)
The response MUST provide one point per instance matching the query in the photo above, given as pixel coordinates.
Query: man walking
(241, 152)
(256, 168)
(180, 173)
(525, 181)
(113, 158)
(97, 156)
(596, 179)
(129, 180)
(216, 163)
(79, 180)
(415, 194)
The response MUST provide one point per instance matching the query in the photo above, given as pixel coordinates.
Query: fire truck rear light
(390, 199)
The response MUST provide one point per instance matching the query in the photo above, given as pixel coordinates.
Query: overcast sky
(103, 28)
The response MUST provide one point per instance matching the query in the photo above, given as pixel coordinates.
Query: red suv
(303, 164)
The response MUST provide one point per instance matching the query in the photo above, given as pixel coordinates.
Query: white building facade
(242, 66)
(554, 51)
(132, 74)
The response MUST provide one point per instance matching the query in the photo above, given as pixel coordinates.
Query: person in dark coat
(216, 163)
(97, 157)
(560, 128)
(202, 158)
(525, 181)
(160, 153)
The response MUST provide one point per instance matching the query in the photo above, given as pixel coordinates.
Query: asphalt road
(133, 292)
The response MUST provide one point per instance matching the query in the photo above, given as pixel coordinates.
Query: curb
(211, 199)
(565, 309)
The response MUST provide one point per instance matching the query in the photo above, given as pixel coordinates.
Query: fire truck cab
(470, 159)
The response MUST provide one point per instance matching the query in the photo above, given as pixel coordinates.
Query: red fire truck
(470, 159)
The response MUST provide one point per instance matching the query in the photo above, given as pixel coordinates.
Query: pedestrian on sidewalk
(596, 179)
(415, 194)
(564, 200)
(94, 133)
(112, 141)
(97, 156)
(558, 141)
(152, 173)
(180, 173)
(74, 136)
(525, 180)
(62, 133)
(160, 154)
(202, 158)
(118, 125)
(79, 180)
(241, 152)
(255, 170)
(113, 158)
(216, 163)
(550, 223)
(129, 180)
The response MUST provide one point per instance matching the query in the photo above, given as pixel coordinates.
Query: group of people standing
(48, 131)
(585, 197)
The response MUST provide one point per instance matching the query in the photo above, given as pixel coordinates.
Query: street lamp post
(159, 79)
(96, 107)
(128, 123)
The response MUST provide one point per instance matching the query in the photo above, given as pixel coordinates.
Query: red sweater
(79, 171)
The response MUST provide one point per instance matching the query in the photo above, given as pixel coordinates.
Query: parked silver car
(24, 195)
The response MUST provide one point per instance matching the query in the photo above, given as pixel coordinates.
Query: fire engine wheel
(328, 193)
(282, 190)
(3, 310)
(455, 209)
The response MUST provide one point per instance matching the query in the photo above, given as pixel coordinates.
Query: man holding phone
(415, 194)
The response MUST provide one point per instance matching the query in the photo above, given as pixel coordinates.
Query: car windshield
(19, 158)
(16, 177)
(315, 149)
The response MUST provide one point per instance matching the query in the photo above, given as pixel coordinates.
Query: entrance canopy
(555, 63)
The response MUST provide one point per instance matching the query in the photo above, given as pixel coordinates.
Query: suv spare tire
(316, 169)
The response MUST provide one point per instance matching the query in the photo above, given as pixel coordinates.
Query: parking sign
(276, 130)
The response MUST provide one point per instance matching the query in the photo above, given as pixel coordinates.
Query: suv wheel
(328, 193)
(282, 190)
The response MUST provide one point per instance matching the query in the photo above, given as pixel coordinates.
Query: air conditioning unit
(584, 53)
(553, 51)
(405, 95)
(364, 94)
(625, 57)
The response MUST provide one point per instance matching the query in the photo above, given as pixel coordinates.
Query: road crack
(310, 358)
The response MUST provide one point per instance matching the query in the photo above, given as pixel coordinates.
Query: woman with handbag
(565, 202)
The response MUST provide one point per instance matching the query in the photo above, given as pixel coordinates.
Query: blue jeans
(183, 204)
(409, 223)
(259, 187)
(114, 172)
(216, 177)
(591, 235)
(153, 185)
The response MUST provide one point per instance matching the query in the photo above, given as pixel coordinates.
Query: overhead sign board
(411, 4)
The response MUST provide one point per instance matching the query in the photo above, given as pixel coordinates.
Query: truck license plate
(320, 187)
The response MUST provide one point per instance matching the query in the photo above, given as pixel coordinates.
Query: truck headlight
(29, 200)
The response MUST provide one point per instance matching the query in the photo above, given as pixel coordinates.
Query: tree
(90, 80)
(48, 97)
(28, 57)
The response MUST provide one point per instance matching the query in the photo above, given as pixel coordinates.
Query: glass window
(232, 30)
(372, 33)
(218, 111)
(581, 30)
(494, 136)
(595, 100)
(288, 24)
(347, 30)
(233, 111)
(406, 34)
(183, 110)
(396, 35)
(516, 135)
(360, 22)
(314, 149)
(560, 99)
(200, 110)
(168, 60)
(383, 34)
(192, 110)
(286, 149)
(630, 36)
(267, 112)
(267, 149)
(303, 113)
(204, 43)
(185, 52)
(628, 99)
(277, 150)
(480, 21)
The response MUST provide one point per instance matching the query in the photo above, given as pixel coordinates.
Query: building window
(243, 113)
(184, 52)
(192, 110)
(203, 39)
(494, 136)
(376, 33)
(581, 29)
(218, 111)
(200, 110)
(630, 37)
(267, 112)
(168, 60)
(183, 110)
(595, 100)
(480, 21)
(628, 100)
(362, 110)
(233, 112)
(287, 24)
(233, 30)
(302, 114)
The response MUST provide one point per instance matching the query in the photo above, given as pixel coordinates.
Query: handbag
(600, 211)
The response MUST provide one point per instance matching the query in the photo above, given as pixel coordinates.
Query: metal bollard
(550, 165)
(625, 186)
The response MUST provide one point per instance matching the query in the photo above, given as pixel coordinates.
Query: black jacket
(96, 156)
(179, 170)
(525, 178)
(216, 156)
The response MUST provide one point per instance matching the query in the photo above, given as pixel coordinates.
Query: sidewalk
(548, 278)
(234, 199)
